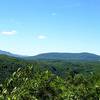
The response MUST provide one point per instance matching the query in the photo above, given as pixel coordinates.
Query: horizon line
(46, 53)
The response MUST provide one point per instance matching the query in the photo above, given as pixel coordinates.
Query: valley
(44, 78)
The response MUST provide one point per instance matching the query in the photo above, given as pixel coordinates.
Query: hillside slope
(66, 56)
(9, 54)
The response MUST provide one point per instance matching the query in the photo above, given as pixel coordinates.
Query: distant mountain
(57, 56)
(9, 54)
(66, 56)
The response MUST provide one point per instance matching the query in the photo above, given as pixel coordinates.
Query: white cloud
(41, 37)
(54, 14)
(13, 32)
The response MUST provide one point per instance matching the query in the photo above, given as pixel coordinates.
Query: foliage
(24, 84)
(49, 80)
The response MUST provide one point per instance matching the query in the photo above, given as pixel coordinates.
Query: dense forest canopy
(48, 79)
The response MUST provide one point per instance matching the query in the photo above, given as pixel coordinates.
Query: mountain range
(8, 54)
(57, 56)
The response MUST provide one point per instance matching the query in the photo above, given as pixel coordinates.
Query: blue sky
(30, 27)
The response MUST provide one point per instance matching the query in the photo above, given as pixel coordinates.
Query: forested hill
(10, 64)
(9, 54)
(48, 79)
(58, 56)
(67, 56)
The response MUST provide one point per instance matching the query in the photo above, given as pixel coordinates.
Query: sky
(31, 27)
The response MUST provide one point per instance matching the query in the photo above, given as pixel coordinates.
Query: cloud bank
(13, 32)
(41, 37)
